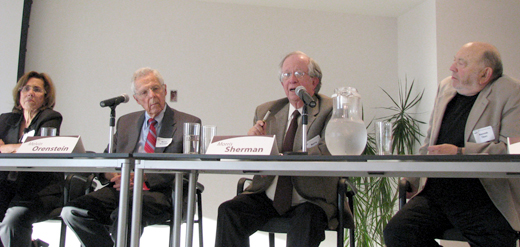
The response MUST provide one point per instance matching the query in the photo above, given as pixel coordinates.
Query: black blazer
(30, 184)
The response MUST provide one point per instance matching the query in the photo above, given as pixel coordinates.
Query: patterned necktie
(288, 142)
(151, 139)
(283, 194)
(149, 146)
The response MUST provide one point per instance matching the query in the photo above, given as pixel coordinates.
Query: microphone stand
(112, 125)
(304, 128)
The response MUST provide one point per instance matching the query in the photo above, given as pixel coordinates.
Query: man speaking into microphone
(157, 129)
(310, 202)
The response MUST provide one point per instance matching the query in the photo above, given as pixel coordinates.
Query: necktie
(283, 194)
(149, 146)
(151, 139)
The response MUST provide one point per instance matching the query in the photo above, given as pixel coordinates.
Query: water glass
(383, 138)
(208, 132)
(191, 138)
(48, 131)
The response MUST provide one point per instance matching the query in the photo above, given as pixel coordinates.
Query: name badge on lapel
(485, 134)
(313, 142)
(163, 142)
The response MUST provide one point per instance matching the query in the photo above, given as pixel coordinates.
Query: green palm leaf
(377, 196)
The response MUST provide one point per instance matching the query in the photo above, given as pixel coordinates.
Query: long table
(476, 166)
(89, 162)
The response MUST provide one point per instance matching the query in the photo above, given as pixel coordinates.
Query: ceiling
(390, 8)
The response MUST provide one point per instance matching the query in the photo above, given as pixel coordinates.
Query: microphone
(306, 98)
(123, 98)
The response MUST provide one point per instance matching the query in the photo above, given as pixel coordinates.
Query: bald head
(476, 65)
(488, 55)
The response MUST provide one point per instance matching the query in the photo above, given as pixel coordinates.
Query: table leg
(177, 210)
(137, 207)
(192, 190)
(122, 228)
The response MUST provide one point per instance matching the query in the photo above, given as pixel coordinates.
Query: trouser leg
(417, 224)
(483, 225)
(308, 225)
(156, 209)
(467, 205)
(16, 227)
(89, 231)
(240, 217)
(6, 195)
(89, 215)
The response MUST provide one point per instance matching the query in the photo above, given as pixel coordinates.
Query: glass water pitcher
(346, 133)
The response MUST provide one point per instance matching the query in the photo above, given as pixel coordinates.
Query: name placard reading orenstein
(243, 145)
(52, 145)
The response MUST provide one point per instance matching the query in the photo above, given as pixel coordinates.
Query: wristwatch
(459, 151)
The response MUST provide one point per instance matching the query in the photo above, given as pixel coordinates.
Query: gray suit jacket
(129, 130)
(498, 106)
(321, 191)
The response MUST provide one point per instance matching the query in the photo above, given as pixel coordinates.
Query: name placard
(243, 145)
(52, 145)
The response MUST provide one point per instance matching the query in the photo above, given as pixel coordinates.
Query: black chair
(281, 225)
(73, 190)
(75, 186)
(452, 234)
(198, 221)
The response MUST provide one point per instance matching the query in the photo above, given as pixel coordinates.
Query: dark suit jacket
(321, 191)
(29, 184)
(498, 106)
(129, 130)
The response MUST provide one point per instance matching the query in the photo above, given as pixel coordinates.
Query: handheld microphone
(306, 97)
(123, 98)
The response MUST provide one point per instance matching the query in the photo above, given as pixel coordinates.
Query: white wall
(462, 21)
(418, 55)
(430, 34)
(222, 58)
(11, 18)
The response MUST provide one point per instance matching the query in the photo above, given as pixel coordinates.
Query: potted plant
(375, 202)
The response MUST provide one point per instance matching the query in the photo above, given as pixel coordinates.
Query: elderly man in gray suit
(311, 200)
(476, 109)
(157, 129)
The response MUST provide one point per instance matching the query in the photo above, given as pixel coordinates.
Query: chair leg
(340, 228)
(198, 221)
(63, 234)
(271, 239)
(352, 238)
(341, 235)
(199, 218)
(170, 241)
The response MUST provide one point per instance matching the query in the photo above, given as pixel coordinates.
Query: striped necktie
(151, 139)
(149, 146)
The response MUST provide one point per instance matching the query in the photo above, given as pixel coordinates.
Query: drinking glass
(383, 138)
(48, 131)
(191, 138)
(208, 132)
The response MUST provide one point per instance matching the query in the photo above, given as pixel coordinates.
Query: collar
(158, 118)
(291, 110)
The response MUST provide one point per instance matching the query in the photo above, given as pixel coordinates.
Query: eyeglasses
(297, 74)
(35, 89)
(144, 92)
